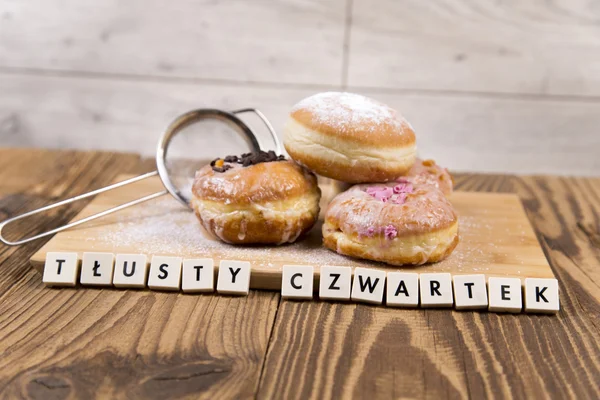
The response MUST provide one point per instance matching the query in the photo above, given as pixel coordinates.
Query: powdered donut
(397, 223)
(350, 138)
(256, 198)
(428, 172)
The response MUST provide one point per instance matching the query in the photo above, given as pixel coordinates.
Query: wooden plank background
(122, 344)
(489, 86)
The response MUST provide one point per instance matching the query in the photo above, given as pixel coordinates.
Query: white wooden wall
(496, 86)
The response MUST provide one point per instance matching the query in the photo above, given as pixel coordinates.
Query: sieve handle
(83, 220)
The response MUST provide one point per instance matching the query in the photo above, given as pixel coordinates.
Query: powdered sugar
(390, 232)
(342, 110)
(164, 227)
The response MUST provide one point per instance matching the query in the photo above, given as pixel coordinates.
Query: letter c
(293, 281)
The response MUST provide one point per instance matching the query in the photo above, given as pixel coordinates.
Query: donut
(350, 138)
(428, 172)
(396, 223)
(257, 198)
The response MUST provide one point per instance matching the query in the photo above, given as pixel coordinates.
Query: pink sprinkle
(372, 190)
(403, 188)
(390, 232)
(370, 231)
(380, 193)
(388, 191)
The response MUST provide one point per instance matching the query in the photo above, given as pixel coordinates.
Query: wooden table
(123, 344)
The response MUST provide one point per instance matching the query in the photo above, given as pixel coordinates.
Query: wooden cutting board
(496, 238)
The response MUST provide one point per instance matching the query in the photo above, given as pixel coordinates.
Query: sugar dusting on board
(343, 110)
(164, 227)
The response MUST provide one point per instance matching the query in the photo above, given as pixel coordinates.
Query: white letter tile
(198, 275)
(402, 289)
(297, 281)
(234, 277)
(541, 295)
(165, 273)
(436, 290)
(368, 285)
(504, 295)
(470, 292)
(97, 269)
(61, 269)
(335, 283)
(131, 271)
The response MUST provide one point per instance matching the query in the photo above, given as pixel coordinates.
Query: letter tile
(198, 275)
(436, 290)
(470, 292)
(335, 282)
(61, 269)
(97, 269)
(131, 271)
(504, 295)
(402, 289)
(234, 277)
(541, 295)
(297, 281)
(165, 273)
(368, 285)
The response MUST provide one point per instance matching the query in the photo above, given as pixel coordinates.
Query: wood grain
(278, 41)
(492, 134)
(496, 238)
(489, 86)
(535, 47)
(33, 178)
(323, 350)
(113, 344)
(124, 115)
(110, 343)
(487, 134)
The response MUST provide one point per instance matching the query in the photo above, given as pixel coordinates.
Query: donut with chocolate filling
(256, 198)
